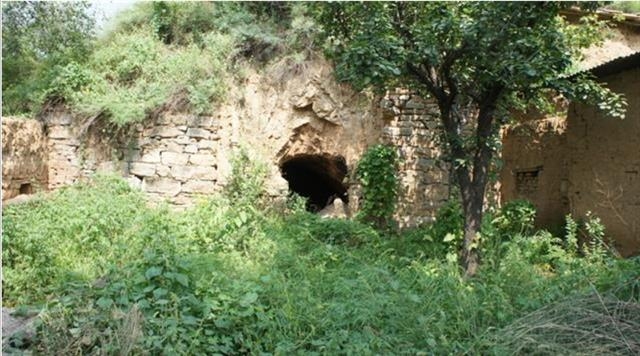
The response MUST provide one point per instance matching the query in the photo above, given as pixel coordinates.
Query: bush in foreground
(229, 278)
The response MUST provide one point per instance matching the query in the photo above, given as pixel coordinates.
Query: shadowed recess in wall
(317, 178)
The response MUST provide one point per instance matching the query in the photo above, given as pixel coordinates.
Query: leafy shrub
(571, 235)
(445, 233)
(340, 231)
(157, 53)
(162, 20)
(196, 282)
(515, 218)
(586, 237)
(37, 38)
(246, 183)
(180, 311)
(133, 73)
(73, 236)
(377, 173)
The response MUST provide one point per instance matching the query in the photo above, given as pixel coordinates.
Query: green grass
(114, 275)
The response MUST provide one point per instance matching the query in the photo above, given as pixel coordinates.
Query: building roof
(616, 65)
(632, 20)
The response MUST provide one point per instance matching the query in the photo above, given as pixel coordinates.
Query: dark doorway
(26, 188)
(317, 178)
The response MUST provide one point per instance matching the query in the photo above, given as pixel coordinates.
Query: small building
(589, 163)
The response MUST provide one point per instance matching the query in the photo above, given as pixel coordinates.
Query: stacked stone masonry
(424, 178)
(177, 157)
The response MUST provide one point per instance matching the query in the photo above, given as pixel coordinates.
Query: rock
(108, 167)
(191, 149)
(17, 328)
(391, 131)
(166, 186)
(414, 104)
(151, 156)
(142, 169)
(201, 121)
(60, 132)
(162, 170)
(202, 160)
(206, 145)
(134, 182)
(322, 106)
(166, 131)
(277, 186)
(164, 119)
(173, 146)
(20, 199)
(183, 140)
(185, 173)
(425, 163)
(337, 210)
(198, 133)
(197, 186)
(174, 159)
(60, 118)
(180, 119)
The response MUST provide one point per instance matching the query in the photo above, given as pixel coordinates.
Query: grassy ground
(229, 277)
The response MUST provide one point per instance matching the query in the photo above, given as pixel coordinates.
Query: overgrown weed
(230, 277)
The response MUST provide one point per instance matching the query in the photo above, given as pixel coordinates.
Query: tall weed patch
(233, 277)
(72, 236)
(134, 73)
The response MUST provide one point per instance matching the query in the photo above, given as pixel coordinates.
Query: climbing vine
(377, 174)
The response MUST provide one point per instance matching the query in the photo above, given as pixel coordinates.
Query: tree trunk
(471, 164)
(472, 203)
(472, 182)
(473, 194)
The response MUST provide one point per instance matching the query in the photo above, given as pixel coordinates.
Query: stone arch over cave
(317, 177)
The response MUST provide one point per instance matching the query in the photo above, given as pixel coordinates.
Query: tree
(477, 60)
(37, 36)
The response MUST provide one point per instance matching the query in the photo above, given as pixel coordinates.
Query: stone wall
(287, 110)
(412, 127)
(175, 157)
(171, 157)
(24, 157)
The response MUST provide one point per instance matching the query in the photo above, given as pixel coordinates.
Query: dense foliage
(377, 174)
(157, 54)
(479, 61)
(37, 38)
(111, 275)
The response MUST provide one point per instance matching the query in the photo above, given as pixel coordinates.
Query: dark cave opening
(26, 188)
(317, 178)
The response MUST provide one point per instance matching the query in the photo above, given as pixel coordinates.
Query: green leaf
(248, 299)
(449, 237)
(182, 279)
(104, 302)
(153, 272)
(159, 292)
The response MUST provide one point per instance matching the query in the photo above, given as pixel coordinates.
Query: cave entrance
(317, 178)
(26, 188)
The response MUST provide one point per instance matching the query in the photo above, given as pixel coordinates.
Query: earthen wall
(24, 157)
